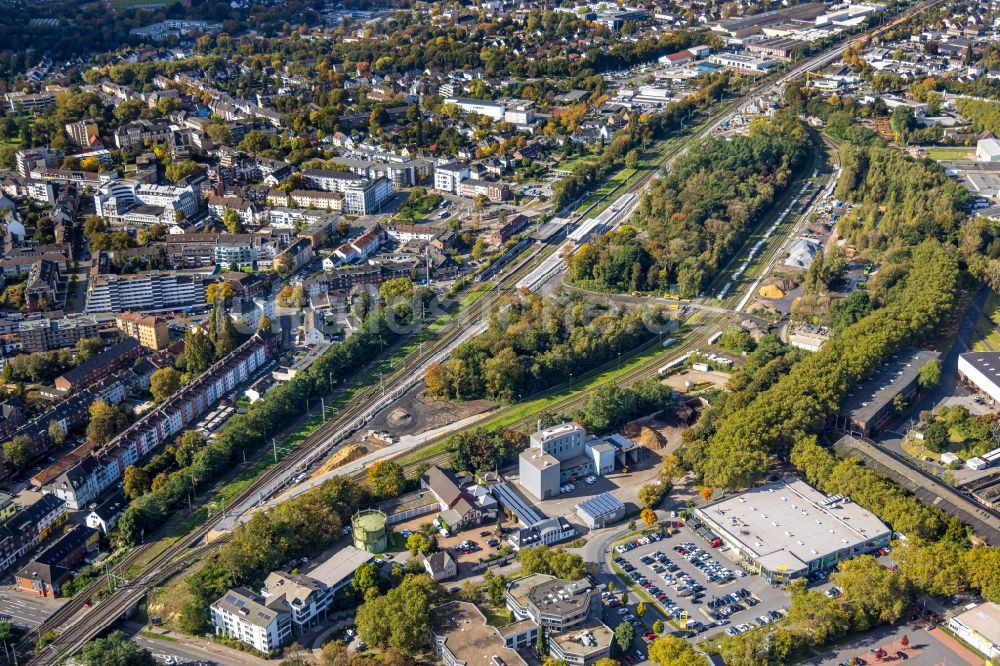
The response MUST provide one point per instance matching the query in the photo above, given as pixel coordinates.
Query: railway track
(179, 554)
(186, 549)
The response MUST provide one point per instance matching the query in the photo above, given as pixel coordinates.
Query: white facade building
(154, 290)
(979, 626)
(448, 177)
(243, 615)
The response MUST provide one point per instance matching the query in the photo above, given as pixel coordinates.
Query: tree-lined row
(733, 450)
(266, 418)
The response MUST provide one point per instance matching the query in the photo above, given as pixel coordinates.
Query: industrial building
(788, 529)
(535, 527)
(869, 406)
(979, 626)
(980, 371)
(600, 511)
(558, 455)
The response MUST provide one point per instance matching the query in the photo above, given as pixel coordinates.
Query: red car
(650, 636)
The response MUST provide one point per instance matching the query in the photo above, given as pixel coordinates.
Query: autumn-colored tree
(136, 481)
(219, 291)
(164, 383)
(706, 493)
(435, 381)
(648, 516)
(904, 641)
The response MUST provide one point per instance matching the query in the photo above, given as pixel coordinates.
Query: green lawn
(588, 382)
(951, 153)
(986, 337)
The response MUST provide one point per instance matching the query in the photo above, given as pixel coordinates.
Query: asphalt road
(948, 386)
(182, 653)
(25, 609)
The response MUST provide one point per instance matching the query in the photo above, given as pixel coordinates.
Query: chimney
(539, 424)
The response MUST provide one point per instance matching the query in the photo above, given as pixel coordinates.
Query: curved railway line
(75, 631)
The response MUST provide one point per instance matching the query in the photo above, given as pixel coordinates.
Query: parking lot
(687, 576)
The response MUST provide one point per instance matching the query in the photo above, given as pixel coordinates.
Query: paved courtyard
(928, 646)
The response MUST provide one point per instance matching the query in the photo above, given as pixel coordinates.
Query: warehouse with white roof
(980, 371)
(788, 529)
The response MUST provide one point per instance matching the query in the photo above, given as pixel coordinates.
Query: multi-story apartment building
(21, 102)
(82, 133)
(41, 335)
(296, 255)
(107, 465)
(138, 133)
(197, 250)
(45, 575)
(71, 412)
(155, 290)
(493, 191)
(30, 526)
(249, 212)
(100, 366)
(131, 203)
(405, 173)
(250, 618)
(23, 262)
(27, 160)
(447, 177)
(361, 195)
(151, 332)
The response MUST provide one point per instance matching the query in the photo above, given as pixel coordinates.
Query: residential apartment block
(155, 290)
(104, 467)
(151, 332)
(29, 527)
(361, 195)
(135, 204)
(41, 335)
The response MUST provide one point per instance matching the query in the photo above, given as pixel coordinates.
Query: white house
(243, 615)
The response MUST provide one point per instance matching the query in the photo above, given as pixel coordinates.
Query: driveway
(948, 390)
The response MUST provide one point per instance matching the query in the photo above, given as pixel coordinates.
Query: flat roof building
(981, 372)
(979, 626)
(789, 529)
(584, 645)
(868, 406)
(600, 511)
(460, 636)
(564, 453)
(338, 570)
